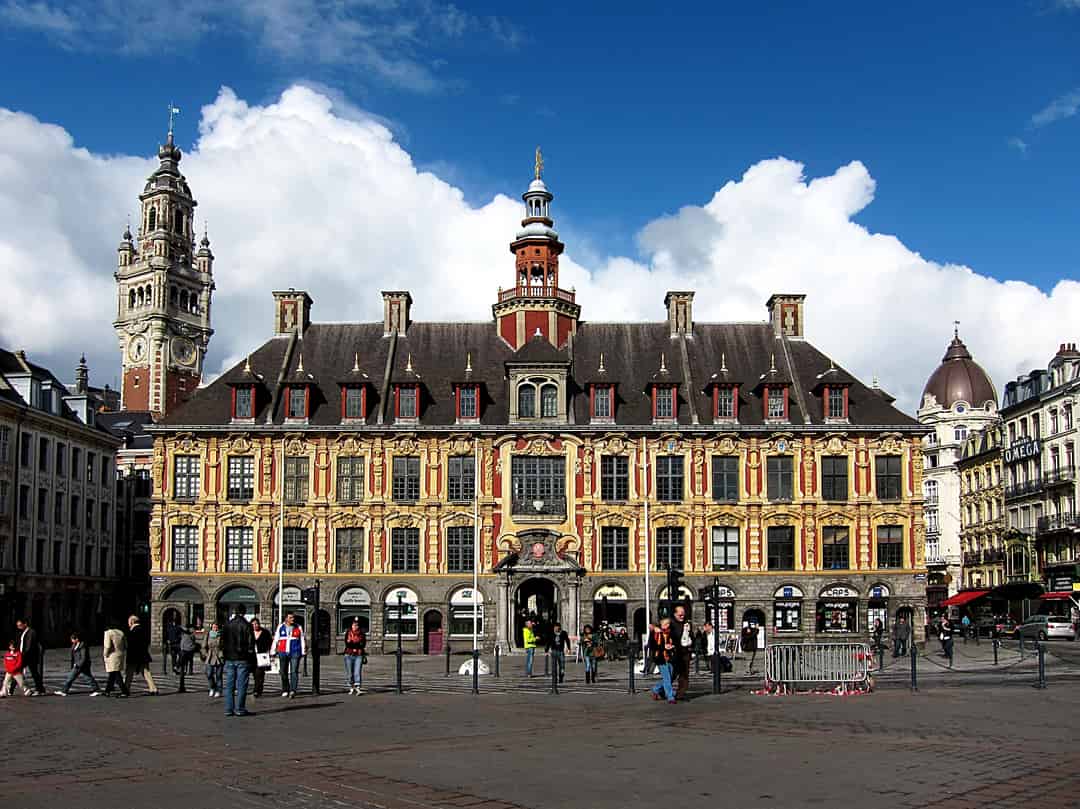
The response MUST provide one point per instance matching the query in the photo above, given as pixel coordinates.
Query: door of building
(433, 632)
(536, 600)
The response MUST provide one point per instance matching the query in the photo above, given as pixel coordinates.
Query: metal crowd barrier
(841, 664)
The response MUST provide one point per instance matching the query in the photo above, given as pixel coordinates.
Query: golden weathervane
(539, 163)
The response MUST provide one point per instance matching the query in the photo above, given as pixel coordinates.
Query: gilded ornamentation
(834, 446)
(615, 445)
(725, 445)
(405, 446)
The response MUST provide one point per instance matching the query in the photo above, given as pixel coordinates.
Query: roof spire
(539, 165)
(173, 111)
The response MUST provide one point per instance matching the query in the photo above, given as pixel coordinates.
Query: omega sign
(1022, 450)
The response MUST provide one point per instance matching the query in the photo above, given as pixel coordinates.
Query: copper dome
(960, 379)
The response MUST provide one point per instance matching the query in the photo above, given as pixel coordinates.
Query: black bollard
(881, 657)
(496, 660)
(164, 659)
(400, 690)
(632, 687)
(1042, 665)
(716, 682)
(475, 671)
(448, 660)
(996, 643)
(549, 664)
(914, 667)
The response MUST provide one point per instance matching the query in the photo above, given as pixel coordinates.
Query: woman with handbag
(214, 663)
(263, 642)
(355, 656)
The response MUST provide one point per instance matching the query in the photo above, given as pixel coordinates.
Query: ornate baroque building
(959, 398)
(562, 457)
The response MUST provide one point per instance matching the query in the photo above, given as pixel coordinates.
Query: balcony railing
(552, 506)
(993, 556)
(1024, 488)
(972, 558)
(1056, 477)
(1058, 522)
(525, 291)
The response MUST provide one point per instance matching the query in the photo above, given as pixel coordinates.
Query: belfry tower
(536, 302)
(163, 287)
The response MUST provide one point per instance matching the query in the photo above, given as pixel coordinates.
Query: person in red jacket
(13, 670)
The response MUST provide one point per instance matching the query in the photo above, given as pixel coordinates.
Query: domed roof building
(959, 399)
(959, 379)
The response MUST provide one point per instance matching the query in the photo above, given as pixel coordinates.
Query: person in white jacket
(115, 652)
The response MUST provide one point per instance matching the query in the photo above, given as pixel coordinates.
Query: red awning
(1058, 596)
(963, 598)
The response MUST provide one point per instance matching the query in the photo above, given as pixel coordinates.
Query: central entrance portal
(536, 600)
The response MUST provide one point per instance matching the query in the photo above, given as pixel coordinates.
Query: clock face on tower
(183, 350)
(137, 349)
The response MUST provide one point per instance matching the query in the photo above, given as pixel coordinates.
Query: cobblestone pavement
(984, 744)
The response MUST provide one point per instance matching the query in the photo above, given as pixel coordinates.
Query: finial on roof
(956, 329)
(408, 364)
(602, 369)
(539, 166)
(772, 363)
(538, 332)
(300, 365)
(663, 363)
(874, 384)
(247, 364)
(173, 111)
(205, 242)
(468, 363)
(127, 229)
(832, 366)
(723, 362)
(356, 362)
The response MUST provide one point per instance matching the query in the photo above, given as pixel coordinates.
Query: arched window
(526, 401)
(549, 401)
(149, 295)
(178, 222)
(960, 432)
(151, 219)
(131, 299)
(184, 300)
(142, 296)
(173, 297)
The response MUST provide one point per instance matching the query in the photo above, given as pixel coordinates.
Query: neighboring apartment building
(1040, 410)
(59, 558)
(561, 458)
(982, 509)
(959, 398)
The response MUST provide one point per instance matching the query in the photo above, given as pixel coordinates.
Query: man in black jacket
(557, 646)
(238, 649)
(138, 655)
(31, 650)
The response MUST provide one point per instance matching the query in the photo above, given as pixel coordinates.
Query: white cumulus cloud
(299, 195)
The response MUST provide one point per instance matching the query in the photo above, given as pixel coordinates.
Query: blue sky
(639, 111)
(905, 166)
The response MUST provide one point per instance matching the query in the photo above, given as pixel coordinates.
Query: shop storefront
(466, 605)
(725, 612)
(353, 602)
(877, 608)
(400, 606)
(787, 609)
(838, 610)
(237, 596)
(609, 606)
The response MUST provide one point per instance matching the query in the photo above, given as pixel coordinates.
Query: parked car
(1004, 627)
(1042, 627)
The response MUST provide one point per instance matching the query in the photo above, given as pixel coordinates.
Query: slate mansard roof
(437, 356)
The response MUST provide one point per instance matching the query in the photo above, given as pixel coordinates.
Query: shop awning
(1057, 596)
(965, 597)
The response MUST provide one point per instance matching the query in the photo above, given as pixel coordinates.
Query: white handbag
(262, 660)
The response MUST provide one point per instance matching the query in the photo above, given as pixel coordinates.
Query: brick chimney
(397, 312)
(786, 314)
(292, 312)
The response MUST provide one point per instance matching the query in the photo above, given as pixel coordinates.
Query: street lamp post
(400, 603)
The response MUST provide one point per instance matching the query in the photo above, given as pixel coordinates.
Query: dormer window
(776, 403)
(353, 403)
(296, 402)
(243, 402)
(726, 402)
(407, 406)
(526, 401)
(549, 401)
(603, 403)
(835, 399)
(468, 402)
(665, 406)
